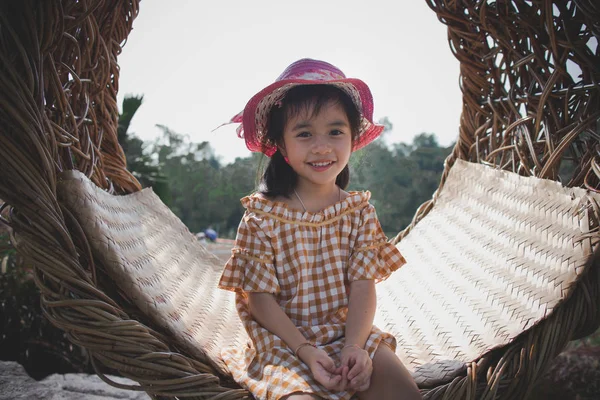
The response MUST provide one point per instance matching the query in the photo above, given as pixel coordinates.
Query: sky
(198, 63)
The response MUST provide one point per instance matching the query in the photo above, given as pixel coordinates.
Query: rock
(573, 375)
(16, 384)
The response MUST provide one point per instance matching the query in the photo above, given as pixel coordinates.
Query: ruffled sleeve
(372, 257)
(251, 267)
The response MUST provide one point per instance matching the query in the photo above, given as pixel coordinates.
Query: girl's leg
(300, 396)
(390, 378)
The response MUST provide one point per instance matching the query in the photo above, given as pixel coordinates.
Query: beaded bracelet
(301, 345)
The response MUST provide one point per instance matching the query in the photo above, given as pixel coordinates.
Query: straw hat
(304, 72)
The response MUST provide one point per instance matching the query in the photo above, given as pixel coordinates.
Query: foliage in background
(400, 178)
(204, 193)
(139, 161)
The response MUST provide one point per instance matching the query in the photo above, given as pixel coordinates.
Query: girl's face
(318, 147)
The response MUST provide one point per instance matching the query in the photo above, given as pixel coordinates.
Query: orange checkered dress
(307, 260)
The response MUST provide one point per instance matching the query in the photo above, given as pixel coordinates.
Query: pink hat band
(304, 72)
(311, 70)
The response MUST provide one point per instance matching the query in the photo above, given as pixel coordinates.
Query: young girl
(307, 253)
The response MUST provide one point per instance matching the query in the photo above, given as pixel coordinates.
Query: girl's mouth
(321, 165)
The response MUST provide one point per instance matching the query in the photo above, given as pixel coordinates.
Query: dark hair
(279, 178)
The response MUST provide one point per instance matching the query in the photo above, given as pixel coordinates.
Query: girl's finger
(360, 388)
(328, 364)
(346, 360)
(333, 382)
(354, 371)
(344, 382)
(361, 364)
(360, 379)
(363, 387)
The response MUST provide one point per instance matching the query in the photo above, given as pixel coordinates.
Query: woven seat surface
(497, 254)
(158, 264)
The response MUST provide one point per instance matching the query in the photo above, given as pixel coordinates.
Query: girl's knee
(392, 376)
(410, 393)
(301, 396)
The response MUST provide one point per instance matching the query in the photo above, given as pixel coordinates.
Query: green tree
(139, 162)
(205, 193)
(239, 179)
(400, 177)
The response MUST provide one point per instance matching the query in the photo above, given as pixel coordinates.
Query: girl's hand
(322, 367)
(356, 369)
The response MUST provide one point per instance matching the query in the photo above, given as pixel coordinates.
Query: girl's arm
(356, 364)
(268, 313)
(361, 312)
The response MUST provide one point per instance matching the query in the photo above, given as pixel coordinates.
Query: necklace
(302, 203)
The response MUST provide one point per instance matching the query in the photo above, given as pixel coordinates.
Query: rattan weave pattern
(494, 257)
(530, 79)
(158, 265)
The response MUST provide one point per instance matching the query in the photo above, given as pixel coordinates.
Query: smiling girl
(307, 252)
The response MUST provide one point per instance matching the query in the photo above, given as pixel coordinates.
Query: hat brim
(255, 114)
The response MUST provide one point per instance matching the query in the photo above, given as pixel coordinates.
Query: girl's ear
(281, 149)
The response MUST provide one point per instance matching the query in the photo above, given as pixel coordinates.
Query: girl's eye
(303, 134)
(336, 132)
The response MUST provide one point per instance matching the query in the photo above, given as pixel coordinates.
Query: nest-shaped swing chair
(502, 262)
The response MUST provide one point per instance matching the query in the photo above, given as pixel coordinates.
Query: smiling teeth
(321, 164)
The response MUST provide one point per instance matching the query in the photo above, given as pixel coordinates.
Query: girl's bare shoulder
(287, 202)
(344, 194)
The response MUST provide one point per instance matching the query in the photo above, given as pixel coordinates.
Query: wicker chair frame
(530, 73)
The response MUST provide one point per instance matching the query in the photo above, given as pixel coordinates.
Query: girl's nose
(321, 145)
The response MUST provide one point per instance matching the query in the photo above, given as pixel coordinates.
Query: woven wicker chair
(503, 261)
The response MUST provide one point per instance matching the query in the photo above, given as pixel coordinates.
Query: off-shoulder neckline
(256, 202)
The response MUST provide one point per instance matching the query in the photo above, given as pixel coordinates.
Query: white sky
(198, 63)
